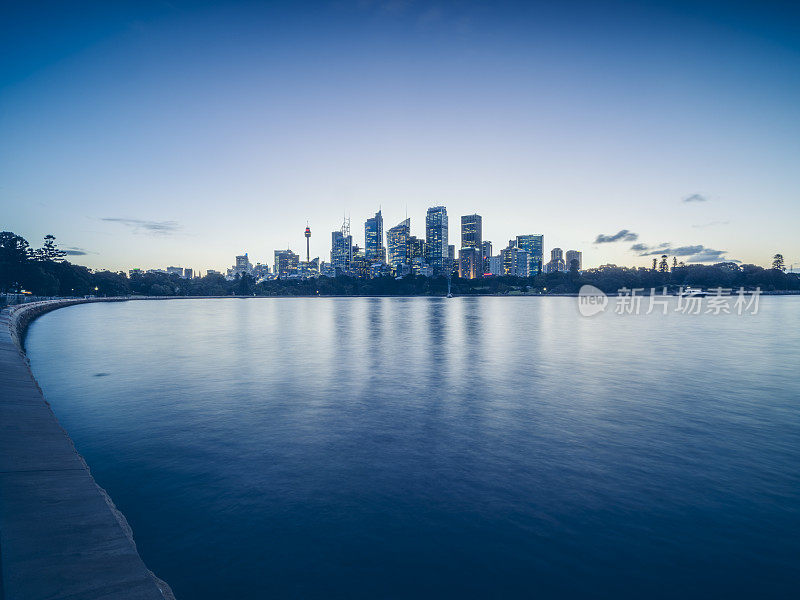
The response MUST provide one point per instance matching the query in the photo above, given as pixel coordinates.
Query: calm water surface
(423, 447)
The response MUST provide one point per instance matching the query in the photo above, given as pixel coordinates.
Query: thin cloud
(148, 227)
(710, 224)
(696, 253)
(621, 236)
(75, 251)
(696, 198)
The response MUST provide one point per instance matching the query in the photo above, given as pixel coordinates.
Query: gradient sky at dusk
(169, 133)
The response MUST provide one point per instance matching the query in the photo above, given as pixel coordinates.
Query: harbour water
(430, 447)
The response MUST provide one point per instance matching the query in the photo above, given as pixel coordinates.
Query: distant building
(213, 272)
(573, 255)
(472, 231)
(496, 265)
(416, 248)
(361, 266)
(136, 272)
(515, 260)
(175, 271)
(533, 244)
(374, 250)
(397, 240)
(342, 248)
(326, 269)
(308, 268)
(556, 263)
(470, 263)
(188, 273)
(436, 239)
(286, 263)
(486, 251)
(260, 271)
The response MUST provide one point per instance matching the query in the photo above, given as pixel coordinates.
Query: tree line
(45, 272)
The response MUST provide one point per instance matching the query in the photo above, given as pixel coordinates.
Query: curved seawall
(60, 534)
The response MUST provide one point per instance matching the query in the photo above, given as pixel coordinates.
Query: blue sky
(169, 133)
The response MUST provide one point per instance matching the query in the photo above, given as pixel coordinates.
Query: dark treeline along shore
(44, 272)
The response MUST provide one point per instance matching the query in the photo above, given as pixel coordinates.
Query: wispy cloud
(148, 227)
(75, 251)
(695, 253)
(710, 224)
(696, 198)
(622, 235)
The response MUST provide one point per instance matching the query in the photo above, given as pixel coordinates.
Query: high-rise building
(573, 255)
(436, 239)
(486, 251)
(360, 267)
(178, 270)
(416, 248)
(308, 243)
(533, 244)
(496, 265)
(188, 273)
(286, 263)
(470, 263)
(515, 260)
(471, 231)
(342, 248)
(397, 240)
(556, 261)
(373, 239)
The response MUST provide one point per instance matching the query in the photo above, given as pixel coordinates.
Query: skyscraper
(486, 248)
(470, 263)
(471, 231)
(533, 244)
(573, 255)
(373, 239)
(342, 248)
(286, 262)
(436, 239)
(556, 261)
(397, 240)
(515, 260)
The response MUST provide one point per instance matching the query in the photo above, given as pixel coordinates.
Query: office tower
(175, 271)
(308, 243)
(486, 252)
(373, 239)
(556, 261)
(436, 239)
(286, 263)
(188, 273)
(416, 248)
(470, 263)
(515, 260)
(342, 248)
(397, 240)
(533, 244)
(573, 255)
(471, 231)
(361, 266)
(496, 265)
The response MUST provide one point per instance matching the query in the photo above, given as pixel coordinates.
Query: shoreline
(61, 535)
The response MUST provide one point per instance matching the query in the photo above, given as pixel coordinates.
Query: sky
(153, 134)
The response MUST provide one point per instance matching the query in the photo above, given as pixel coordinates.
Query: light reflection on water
(396, 447)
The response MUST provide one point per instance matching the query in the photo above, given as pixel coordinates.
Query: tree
(674, 262)
(664, 265)
(14, 253)
(777, 263)
(49, 252)
(655, 263)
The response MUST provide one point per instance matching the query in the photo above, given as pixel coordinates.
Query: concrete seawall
(61, 537)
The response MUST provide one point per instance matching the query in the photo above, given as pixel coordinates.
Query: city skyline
(154, 134)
